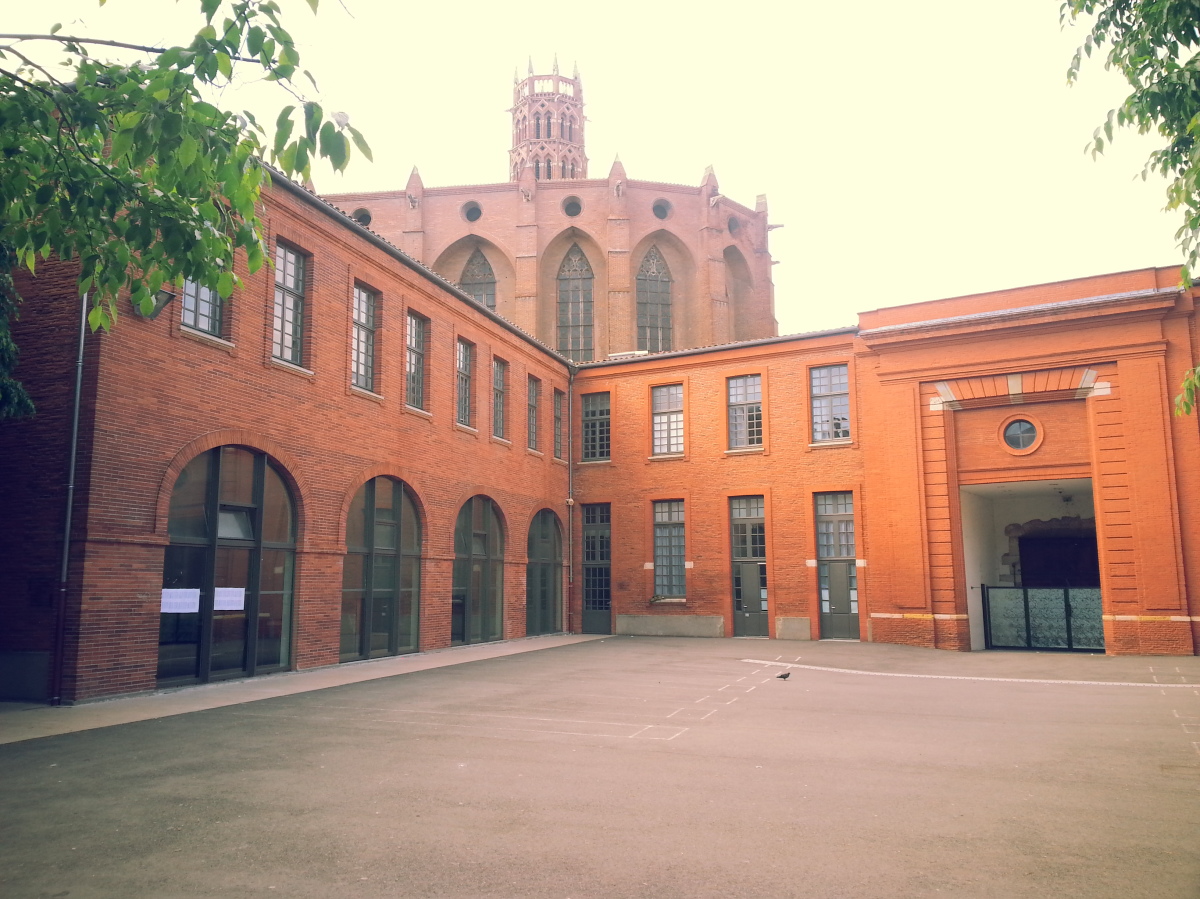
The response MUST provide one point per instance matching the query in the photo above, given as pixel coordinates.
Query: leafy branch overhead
(1154, 44)
(125, 166)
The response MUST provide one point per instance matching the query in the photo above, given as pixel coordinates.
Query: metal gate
(1062, 618)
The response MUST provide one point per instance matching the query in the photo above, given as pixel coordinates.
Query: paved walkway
(27, 721)
(622, 768)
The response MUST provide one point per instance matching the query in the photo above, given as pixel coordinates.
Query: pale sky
(911, 150)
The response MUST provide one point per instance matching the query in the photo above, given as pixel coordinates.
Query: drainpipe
(570, 493)
(60, 616)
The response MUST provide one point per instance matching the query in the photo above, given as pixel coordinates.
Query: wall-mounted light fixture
(161, 300)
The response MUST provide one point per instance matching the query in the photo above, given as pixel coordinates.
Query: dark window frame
(288, 342)
(596, 426)
(362, 343)
(744, 394)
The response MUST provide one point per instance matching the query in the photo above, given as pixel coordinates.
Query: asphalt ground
(634, 767)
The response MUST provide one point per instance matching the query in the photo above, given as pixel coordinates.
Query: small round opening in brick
(572, 207)
(1020, 434)
(661, 209)
(362, 215)
(734, 225)
(472, 211)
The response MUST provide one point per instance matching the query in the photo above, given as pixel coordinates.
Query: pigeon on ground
(784, 676)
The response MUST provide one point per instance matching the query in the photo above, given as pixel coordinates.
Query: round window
(661, 209)
(572, 207)
(734, 225)
(472, 212)
(1020, 434)
(362, 215)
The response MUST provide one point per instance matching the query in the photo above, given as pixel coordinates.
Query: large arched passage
(543, 575)
(228, 572)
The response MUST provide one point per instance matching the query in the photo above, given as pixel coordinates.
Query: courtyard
(622, 767)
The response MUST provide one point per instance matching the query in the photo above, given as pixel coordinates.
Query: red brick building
(354, 458)
(992, 471)
(348, 459)
(590, 266)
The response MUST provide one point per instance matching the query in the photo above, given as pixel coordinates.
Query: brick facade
(716, 249)
(942, 505)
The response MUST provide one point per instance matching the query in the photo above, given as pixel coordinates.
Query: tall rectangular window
(835, 541)
(463, 368)
(559, 399)
(535, 393)
(287, 328)
(362, 345)
(745, 411)
(830, 393)
(668, 418)
(749, 532)
(597, 557)
(499, 396)
(668, 548)
(595, 426)
(414, 363)
(201, 308)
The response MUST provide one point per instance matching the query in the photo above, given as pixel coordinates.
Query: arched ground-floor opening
(1031, 565)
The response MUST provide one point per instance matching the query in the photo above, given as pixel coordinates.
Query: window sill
(366, 394)
(503, 441)
(667, 600)
(417, 410)
(595, 461)
(664, 457)
(459, 426)
(745, 450)
(529, 451)
(841, 441)
(559, 461)
(292, 367)
(204, 337)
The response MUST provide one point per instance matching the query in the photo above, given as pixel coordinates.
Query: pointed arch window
(479, 280)
(537, 170)
(537, 127)
(549, 125)
(572, 169)
(571, 129)
(654, 303)
(575, 306)
(549, 168)
(564, 168)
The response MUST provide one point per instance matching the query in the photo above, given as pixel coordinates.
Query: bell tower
(548, 121)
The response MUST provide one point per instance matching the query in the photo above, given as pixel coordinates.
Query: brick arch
(383, 469)
(506, 517)
(549, 261)
(289, 464)
(686, 307)
(449, 263)
(739, 291)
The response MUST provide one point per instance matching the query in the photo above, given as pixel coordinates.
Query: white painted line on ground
(1002, 680)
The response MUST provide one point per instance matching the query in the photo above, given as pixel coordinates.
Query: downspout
(570, 493)
(60, 617)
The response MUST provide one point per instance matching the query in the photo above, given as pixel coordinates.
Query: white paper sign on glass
(229, 599)
(180, 601)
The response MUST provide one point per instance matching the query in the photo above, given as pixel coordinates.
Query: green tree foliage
(126, 167)
(1154, 44)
